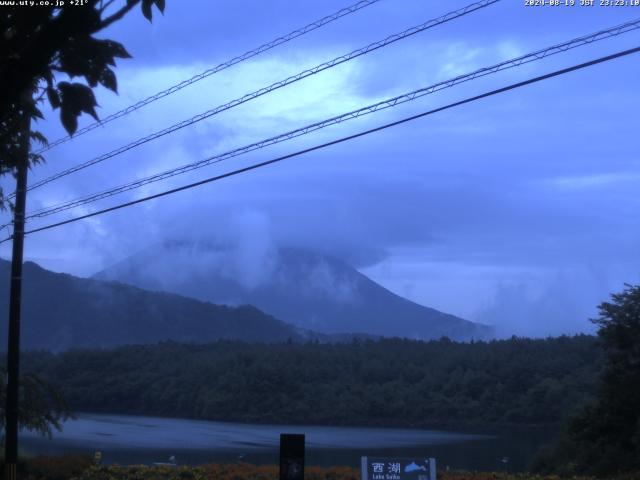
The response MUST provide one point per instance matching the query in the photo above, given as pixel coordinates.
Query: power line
(392, 102)
(223, 66)
(275, 86)
(341, 140)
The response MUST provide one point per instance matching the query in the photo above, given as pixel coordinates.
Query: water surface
(137, 439)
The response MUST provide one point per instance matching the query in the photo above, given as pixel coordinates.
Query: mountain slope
(304, 288)
(60, 311)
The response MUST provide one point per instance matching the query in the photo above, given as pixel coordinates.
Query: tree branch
(106, 5)
(118, 15)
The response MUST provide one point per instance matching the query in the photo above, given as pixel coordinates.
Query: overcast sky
(519, 210)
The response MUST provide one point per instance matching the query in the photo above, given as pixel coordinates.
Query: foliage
(42, 409)
(211, 472)
(37, 43)
(387, 382)
(61, 467)
(499, 476)
(604, 438)
(242, 472)
(78, 467)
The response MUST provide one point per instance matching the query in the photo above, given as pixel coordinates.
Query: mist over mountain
(307, 289)
(60, 311)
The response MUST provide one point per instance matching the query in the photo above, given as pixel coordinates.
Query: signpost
(291, 456)
(378, 468)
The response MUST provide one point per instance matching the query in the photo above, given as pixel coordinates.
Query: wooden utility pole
(13, 350)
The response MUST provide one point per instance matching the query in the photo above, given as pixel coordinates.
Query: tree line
(388, 382)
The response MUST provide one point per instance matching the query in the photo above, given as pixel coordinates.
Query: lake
(137, 439)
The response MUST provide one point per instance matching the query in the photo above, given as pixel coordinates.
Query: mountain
(60, 311)
(304, 288)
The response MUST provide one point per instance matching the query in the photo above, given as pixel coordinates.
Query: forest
(387, 382)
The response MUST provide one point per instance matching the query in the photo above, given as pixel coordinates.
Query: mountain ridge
(61, 311)
(304, 288)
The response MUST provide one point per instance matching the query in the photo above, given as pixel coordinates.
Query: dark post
(13, 351)
(291, 456)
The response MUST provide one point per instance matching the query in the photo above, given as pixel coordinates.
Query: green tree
(42, 409)
(604, 439)
(610, 429)
(38, 44)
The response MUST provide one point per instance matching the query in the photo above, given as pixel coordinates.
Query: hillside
(304, 288)
(389, 382)
(60, 311)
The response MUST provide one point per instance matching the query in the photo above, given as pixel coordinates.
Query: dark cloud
(519, 210)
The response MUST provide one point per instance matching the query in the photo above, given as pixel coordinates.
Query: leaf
(54, 98)
(108, 80)
(35, 158)
(66, 93)
(48, 76)
(40, 138)
(146, 9)
(160, 4)
(36, 113)
(76, 98)
(87, 100)
(69, 120)
(93, 75)
(116, 49)
(73, 57)
(83, 97)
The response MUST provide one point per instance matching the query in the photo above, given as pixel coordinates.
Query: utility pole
(13, 350)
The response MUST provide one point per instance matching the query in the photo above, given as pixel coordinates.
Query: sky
(518, 210)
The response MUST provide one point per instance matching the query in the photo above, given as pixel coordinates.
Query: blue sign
(378, 468)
